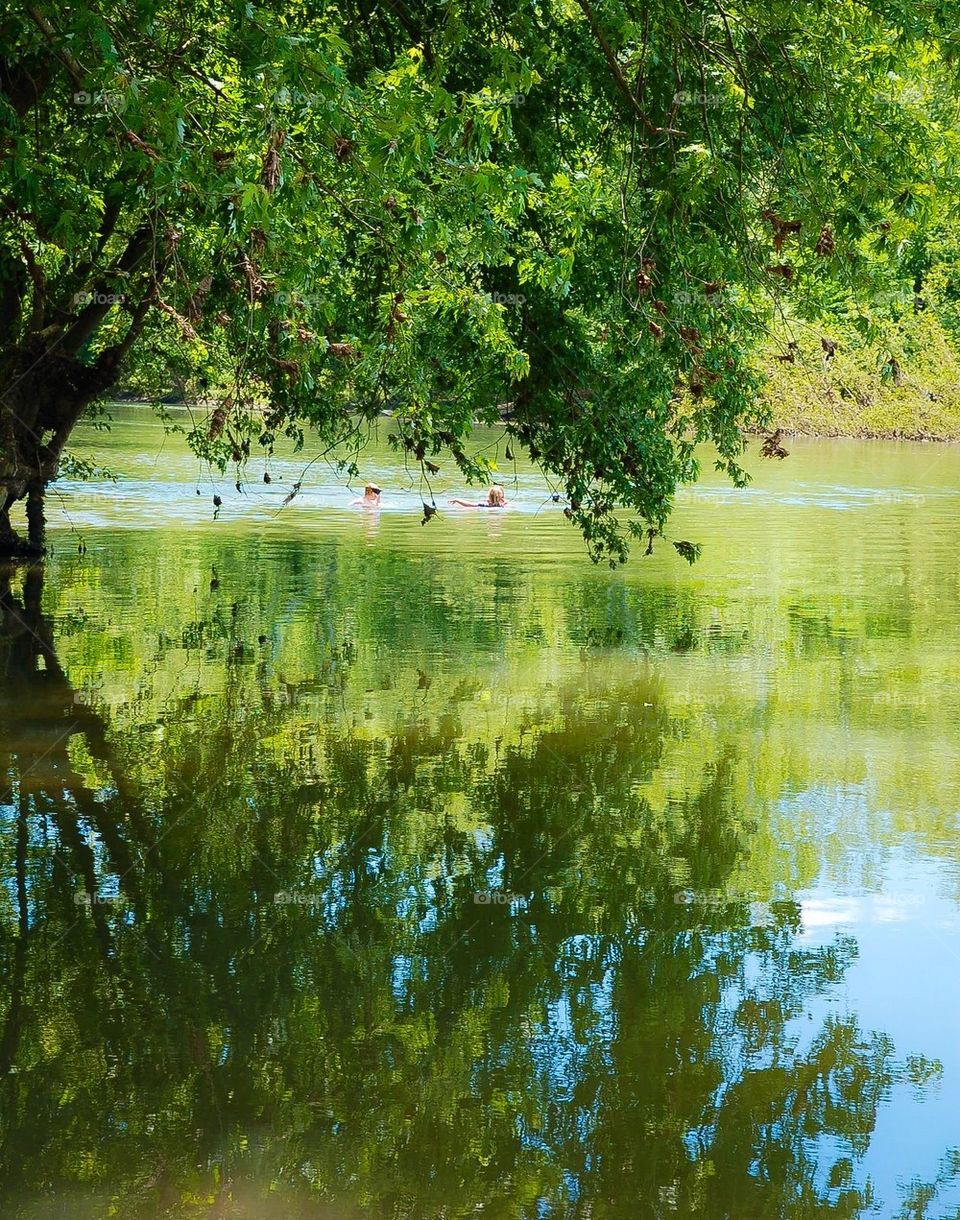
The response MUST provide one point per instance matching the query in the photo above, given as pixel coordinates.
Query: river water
(354, 867)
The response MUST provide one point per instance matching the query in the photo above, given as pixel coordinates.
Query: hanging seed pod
(825, 243)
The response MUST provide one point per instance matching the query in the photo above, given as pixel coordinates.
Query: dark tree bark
(45, 399)
(45, 386)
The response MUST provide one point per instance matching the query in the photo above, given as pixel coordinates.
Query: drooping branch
(623, 85)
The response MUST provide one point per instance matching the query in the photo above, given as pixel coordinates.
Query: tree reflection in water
(243, 978)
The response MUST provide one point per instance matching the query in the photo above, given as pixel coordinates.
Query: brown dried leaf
(140, 145)
(185, 327)
(256, 284)
(196, 301)
(219, 418)
(270, 173)
(291, 368)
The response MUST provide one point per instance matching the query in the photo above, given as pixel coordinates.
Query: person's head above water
(371, 495)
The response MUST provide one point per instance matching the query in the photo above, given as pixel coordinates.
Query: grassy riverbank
(904, 384)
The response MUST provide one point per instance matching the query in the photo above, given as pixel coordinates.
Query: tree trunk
(12, 544)
(16, 485)
(36, 519)
(44, 399)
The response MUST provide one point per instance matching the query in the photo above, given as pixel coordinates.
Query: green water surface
(359, 868)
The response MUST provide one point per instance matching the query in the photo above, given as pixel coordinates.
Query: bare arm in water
(495, 499)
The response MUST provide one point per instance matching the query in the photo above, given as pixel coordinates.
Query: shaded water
(355, 868)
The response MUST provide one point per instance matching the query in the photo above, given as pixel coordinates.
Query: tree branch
(138, 248)
(619, 79)
(52, 37)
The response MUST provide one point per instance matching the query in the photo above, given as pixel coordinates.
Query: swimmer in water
(370, 497)
(495, 499)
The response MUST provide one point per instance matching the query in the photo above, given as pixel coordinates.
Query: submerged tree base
(19, 548)
(14, 545)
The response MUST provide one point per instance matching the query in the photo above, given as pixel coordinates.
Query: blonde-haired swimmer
(370, 497)
(495, 499)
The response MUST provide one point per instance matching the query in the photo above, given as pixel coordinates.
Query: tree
(573, 219)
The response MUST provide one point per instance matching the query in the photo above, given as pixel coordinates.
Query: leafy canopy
(578, 218)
